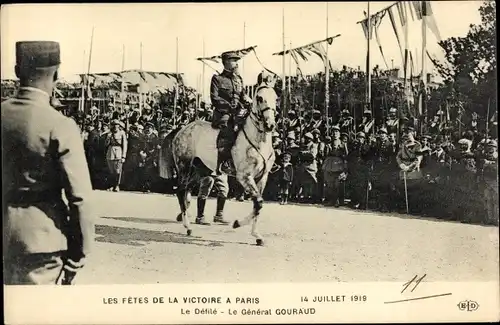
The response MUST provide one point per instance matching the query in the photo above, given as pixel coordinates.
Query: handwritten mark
(418, 298)
(407, 284)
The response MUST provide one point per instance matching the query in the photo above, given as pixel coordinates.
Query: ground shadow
(143, 220)
(137, 237)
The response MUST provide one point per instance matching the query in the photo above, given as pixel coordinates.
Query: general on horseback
(238, 142)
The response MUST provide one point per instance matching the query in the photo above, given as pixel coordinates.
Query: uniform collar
(32, 93)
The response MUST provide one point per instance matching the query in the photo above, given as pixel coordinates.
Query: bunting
(375, 22)
(396, 31)
(305, 51)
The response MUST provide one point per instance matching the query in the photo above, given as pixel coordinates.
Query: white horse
(192, 151)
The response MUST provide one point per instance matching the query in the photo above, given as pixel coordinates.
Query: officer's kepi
(230, 55)
(37, 54)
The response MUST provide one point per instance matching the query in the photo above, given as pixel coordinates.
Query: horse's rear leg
(184, 198)
(248, 183)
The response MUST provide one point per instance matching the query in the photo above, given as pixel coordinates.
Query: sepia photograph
(257, 144)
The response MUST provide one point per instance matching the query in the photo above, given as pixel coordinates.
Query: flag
(395, 29)
(423, 10)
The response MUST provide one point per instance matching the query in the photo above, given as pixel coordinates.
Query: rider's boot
(200, 218)
(221, 201)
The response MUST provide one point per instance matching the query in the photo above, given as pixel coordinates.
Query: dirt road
(139, 242)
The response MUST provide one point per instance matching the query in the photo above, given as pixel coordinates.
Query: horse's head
(265, 101)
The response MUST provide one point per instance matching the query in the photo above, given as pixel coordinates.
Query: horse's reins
(256, 117)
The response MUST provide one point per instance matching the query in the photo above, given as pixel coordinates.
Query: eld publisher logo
(468, 305)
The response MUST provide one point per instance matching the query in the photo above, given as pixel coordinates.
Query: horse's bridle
(257, 117)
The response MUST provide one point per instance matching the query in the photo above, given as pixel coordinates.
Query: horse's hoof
(189, 232)
(179, 217)
(236, 224)
(259, 242)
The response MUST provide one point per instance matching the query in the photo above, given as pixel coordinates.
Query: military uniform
(489, 172)
(45, 239)
(334, 171)
(227, 95)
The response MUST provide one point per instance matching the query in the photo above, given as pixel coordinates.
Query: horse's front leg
(248, 183)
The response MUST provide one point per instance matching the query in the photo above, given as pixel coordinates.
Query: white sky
(220, 25)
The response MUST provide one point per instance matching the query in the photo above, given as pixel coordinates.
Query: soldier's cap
(316, 131)
(149, 124)
(464, 141)
(291, 112)
(140, 126)
(383, 130)
(230, 55)
(393, 110)
(491, 143)
(440, 112)
(315, 111)
(276, 134)
(344, 134)
(367, 112)
(94, 109)
(428, 137)
(409, 128)
(345, 112)
(37, 54)
(361, 135)
(290, 135)
(308, 135)
(336, 128)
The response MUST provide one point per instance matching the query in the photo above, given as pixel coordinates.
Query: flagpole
(81, 102)
(368, 68)
(140, 86)
(283, 84)
(176, 79)
(424, 72)
(88, 68)
(290, 80)
(122, 90)
(327, 77)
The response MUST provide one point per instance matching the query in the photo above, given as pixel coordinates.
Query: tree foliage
(470, 66)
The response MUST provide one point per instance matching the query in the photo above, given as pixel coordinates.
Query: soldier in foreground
(45, 240)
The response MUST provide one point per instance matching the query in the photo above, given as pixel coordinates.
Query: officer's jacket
(336, 157)
(226, 89)
(43, 155)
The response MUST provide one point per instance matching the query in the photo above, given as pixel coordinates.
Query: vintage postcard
(250, 162)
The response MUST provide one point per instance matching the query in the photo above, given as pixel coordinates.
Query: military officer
(335, 170)
(46, 240)
(367, 123)
(229, 100)
(392, 121)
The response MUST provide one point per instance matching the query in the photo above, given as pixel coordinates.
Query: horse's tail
(166, 162)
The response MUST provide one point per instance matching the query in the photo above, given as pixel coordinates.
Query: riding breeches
(221, 186)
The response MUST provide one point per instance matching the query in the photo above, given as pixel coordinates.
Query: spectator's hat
(383, 130)
(335, 128)
(316, 112)
(37, 54)
(393, 110)
(309, 135)
(440, 112)
(94, 109)
(149, 124)
(345, 112)
(115, 122)
(292, 113)
(291, 135)
(344, 134)
(367, 112)
(276, 134)
(361, 135)
(230, 55)
(277, 140)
